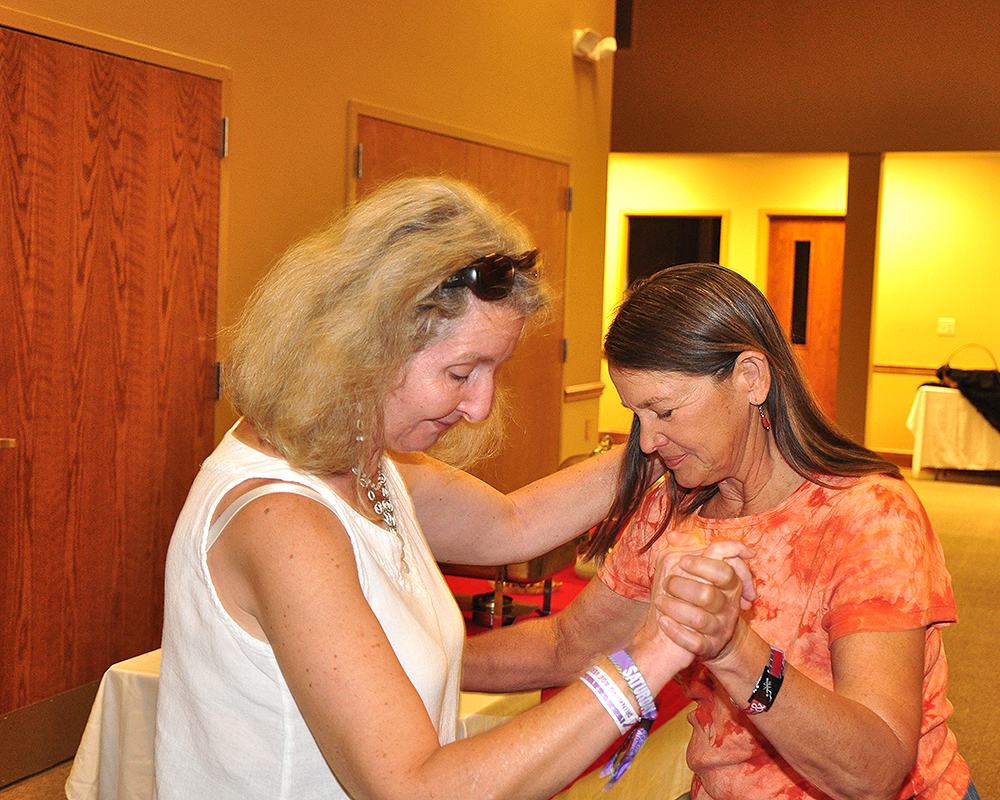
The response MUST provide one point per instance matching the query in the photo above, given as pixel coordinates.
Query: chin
(687, 482)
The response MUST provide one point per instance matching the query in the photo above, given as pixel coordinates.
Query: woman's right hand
(702, 592)
(715, 573)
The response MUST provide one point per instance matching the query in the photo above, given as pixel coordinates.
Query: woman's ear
(753, 372)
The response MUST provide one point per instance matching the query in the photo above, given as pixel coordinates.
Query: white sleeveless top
(227, 726)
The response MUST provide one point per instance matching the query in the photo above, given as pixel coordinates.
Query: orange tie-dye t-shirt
(859, 557)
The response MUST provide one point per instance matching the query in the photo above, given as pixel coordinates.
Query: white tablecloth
(115, 757)
(949, 433)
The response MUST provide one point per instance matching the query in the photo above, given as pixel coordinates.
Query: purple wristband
(625, 755)
(636, 682)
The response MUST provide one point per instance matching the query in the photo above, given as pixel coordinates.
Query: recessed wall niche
(662, 240)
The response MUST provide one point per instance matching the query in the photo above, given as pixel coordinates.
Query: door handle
(8, 444)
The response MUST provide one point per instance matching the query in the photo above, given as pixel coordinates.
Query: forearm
(467, 521)
(539, 752)
(518, 658)
(553, 650)
(558, 507)
(837, 743)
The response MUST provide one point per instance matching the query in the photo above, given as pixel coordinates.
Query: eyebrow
(474, 357)
(650, 402)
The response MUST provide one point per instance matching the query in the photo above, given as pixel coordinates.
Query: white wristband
(612, 698)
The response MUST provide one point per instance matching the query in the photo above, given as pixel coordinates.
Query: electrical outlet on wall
(946, 326)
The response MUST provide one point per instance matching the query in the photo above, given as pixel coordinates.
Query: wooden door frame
(93, 40)
(47, 732)
(765, 217)
(356, 108)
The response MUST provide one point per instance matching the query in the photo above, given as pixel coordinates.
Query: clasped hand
(698, 594)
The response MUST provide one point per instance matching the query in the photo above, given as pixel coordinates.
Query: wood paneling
(109, 202)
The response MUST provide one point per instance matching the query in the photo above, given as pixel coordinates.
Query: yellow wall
(500, 70)
(742, 188)
(938, 256)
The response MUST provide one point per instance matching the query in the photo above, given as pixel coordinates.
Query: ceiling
(859, 76)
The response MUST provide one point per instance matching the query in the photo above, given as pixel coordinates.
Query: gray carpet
(965, 512)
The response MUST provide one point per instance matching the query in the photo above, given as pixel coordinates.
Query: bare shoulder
(278, 546)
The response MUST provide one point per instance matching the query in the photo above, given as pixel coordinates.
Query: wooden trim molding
(583, 391)
(901, 460)
(43, 734)
(94, 40)
(904, 369)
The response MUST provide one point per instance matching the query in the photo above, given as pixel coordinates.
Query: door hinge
(359, 155)
(565, 350)
(217, 381)
(569, 198)
(224, 137)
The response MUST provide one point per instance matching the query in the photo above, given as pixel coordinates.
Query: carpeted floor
(966, 517)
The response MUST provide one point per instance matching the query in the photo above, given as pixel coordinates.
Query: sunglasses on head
(491, 277)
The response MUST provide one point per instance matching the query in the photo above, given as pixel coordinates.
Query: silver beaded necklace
(384, 508)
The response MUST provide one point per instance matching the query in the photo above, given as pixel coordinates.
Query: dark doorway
(658, 241)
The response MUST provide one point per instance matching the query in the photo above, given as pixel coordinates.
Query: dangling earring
(763, 417)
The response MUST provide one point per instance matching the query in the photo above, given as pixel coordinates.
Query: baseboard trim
(44, 734)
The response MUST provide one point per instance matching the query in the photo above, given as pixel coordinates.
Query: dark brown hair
(696, 319)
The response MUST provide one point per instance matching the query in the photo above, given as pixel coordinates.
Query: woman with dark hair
(833, 683)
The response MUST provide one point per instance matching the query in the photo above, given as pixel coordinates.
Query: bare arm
(859, 741)
(553, 650)
(466, 521)
(286, 565)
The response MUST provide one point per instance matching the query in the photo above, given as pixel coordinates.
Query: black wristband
(767, 687)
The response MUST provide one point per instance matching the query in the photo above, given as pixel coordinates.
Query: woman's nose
(478, 400)
(650, 440)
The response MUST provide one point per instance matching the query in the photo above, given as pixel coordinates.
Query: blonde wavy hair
(327, 333)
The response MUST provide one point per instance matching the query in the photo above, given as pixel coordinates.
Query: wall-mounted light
(590, 46)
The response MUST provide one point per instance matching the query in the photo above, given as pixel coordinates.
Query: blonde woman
(311, 647)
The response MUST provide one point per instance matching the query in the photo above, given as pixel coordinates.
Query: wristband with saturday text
(633, 677)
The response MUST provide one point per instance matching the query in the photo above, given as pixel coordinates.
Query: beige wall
(503, 71)
(938, 250)
(939, 256)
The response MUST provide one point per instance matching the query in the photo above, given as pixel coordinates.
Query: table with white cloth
(949, 433)
(115, 757)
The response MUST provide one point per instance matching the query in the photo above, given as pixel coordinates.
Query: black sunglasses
(491, 277)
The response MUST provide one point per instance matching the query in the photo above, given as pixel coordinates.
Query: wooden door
(109, 204)
(804, 285)
(535, 190)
